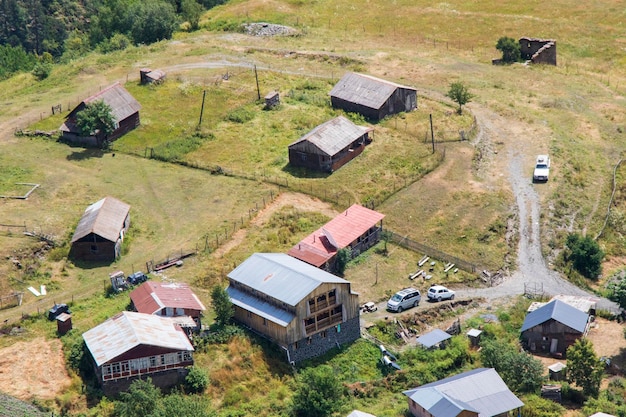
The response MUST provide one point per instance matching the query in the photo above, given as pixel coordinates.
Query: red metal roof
(321, 245)
(151, 297)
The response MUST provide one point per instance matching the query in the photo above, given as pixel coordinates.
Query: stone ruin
(538, 51)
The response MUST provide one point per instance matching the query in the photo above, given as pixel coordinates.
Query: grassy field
(574, 110)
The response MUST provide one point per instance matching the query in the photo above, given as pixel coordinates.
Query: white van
(402, 300)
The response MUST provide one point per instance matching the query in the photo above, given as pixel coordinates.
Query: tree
(510, 49)
(196, 380)
(141, 400)
(222, 305)
(191, 12)
(520, 371)
(151, 21)
(318, 393)
(459, 94)
(585, 255)
(618, 292)
(584, 368)
(96, 119)
(341, 260)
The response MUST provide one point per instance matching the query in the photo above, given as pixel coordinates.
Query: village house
(100, 231)
(553, 327)
(134, 345)
(480, 392)
(125, 112)
(168, 300)
(330, 145)
(302, 309)
(357, 229)
(372, 97)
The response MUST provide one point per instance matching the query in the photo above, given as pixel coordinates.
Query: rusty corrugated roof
(323, 244)
(152, 296)
(333, 136)
(122, 103)
(104, 218)
(127, 330)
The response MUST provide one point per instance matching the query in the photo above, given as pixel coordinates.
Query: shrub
(585, 255)
(197, 380)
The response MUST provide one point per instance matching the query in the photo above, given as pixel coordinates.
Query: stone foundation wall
(316, 345)
(164, 380)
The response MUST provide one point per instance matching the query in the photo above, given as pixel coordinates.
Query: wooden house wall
(419, 411)
(124, 127)
(307, 155)
(105, 249)
(541, 336)
(402, 100)
(295, 330)
(367, 112)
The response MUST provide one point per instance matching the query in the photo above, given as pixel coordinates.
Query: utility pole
(432, 133)
(202, 108)
(258, 91)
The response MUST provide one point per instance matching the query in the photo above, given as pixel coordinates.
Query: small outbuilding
(556, 371)
(372, 97)
(64, 323)
(100, 231)
(330, 145)
(124, 109)
(474, 336)
(433, 339)
(149, 76)
(538, 51)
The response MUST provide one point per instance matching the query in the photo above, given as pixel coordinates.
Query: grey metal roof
(122, 103)
(104, 218)
(357, 413)
(474, 332)
(433, 338)
(259, 307)
(333, 136)
(365, 90)
(559, 311)
(127, 330)
(281, 276)
(481, 390)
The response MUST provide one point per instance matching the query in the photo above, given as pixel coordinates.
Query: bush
(585, 255)
(197, 380)
(510, 49)
(42, 70)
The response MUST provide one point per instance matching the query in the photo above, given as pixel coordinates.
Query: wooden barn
(330, 145)
(100, 231)
(300, 308)
(133, 345)
(125, 110)
(554, 327)
(357, 228)
(372, 97)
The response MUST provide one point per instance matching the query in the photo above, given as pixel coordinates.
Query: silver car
(402, 300)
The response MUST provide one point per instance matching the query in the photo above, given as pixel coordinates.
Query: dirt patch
(33, 369)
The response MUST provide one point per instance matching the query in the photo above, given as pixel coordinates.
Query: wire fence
(410, 244)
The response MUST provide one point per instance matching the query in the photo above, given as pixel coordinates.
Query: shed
(557, 371)
(433, 339)
(100, 231)
(149, 76)
(480, 392)
(330, 145)
(372, 97)
(474, 336)
(272, 99)
(357, 228)
(538, 51)
(357, 413)
(64, 323)
(554, 327)
(124, 109)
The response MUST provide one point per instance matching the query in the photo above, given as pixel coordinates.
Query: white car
(439, 292)
(542, 168)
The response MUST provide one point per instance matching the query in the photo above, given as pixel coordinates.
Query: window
(153, 361)
(309, 340)
(323, 334)
(94, 248)
(115, 368)
(249, 314)
(295, 346)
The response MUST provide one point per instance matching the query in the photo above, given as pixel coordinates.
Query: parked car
(137, 278)
(57, 309)
(407, 298)
(439, 292)
(542, 168)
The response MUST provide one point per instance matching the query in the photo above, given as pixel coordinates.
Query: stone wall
(322, 342)
(538, 51)
(164, 380)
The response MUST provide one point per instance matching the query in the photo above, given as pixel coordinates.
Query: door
(554, 345)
